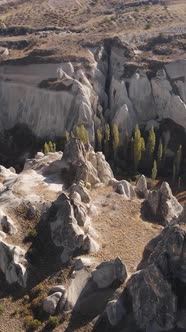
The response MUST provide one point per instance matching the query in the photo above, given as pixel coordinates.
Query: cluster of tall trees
(141, 152)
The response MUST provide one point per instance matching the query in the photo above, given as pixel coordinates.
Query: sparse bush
(146, 8)
(53, 321)
(32, 234)
(147, 26)
(1, 309)
(31, 324)
(25, 311)
(37, 290)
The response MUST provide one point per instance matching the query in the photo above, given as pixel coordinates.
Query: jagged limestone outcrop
(153, 299)
(161, 206)
(68, 226)
(83, 164)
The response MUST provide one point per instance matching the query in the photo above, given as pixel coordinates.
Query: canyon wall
(52, 98)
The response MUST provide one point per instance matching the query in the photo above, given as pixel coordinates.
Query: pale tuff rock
(50, 303)
(50, 110)
(66, 220)
(83, 262)
(4, 51)
(90, 245)
(78, 165)
(161, 205)
(80, 92)
(141, 187)
(89, 290)
(6, 224)
(82, 191)
(64, 229)
(124, 188)
(57, 288)
(108, 272)
(13, 264)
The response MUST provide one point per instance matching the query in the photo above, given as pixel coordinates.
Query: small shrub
(53, 321)
(37, 290)
(24, 311)
(31, 324)
(32, 234)
(147, 25)
(2, 309)
(146, 8)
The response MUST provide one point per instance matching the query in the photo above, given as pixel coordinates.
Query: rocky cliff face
(52, 98)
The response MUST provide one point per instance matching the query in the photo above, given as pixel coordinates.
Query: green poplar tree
(67, 136)
(99, 137)
(115, 133)
(138, 146)
(82, 134)
(46, 148)
(107, 140)
(150, 147)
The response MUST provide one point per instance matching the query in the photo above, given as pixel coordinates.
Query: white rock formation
(162, 206)
(108, 272)
(46, 111)
(6, 223)
(141, 187)
(13, 264)
(80, 92)
(124, 188)
(162, 97)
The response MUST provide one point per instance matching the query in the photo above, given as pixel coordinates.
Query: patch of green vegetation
(2, 309)
(31, 324)
(32, 234)
(53, 321)
(147, 26)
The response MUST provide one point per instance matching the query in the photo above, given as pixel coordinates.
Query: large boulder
(153, 300)
(13, 264)
(82, 191)
(161, 206)
(89, 290)
(50, 303)
(108, 273)
(124, 188)
(141, 187)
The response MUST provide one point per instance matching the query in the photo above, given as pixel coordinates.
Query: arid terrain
(65, 63)
(57, 29)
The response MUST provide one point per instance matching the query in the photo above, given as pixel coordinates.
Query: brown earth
(69, 25)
